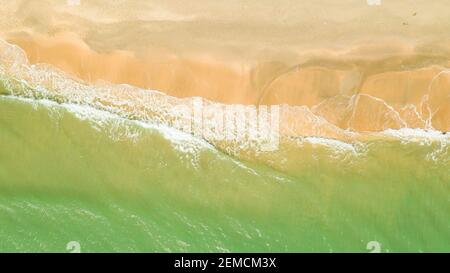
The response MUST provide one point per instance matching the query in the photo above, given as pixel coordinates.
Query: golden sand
(367, 68)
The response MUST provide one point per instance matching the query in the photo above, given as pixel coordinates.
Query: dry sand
(367, 68)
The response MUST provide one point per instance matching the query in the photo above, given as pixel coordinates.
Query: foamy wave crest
(41, 81)
(118, 128)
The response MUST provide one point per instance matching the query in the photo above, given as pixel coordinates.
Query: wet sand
(362, 67)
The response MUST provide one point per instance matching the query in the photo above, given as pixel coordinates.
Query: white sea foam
(440, 153)
(333, 143)
(115, 106)
(421, 136)
(119, 128)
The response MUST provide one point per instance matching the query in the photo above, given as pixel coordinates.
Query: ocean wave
(151, 108)
(119, 128)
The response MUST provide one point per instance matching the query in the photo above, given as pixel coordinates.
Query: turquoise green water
(116, 185)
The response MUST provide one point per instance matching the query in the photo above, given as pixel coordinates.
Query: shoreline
(390, 100)
(352, 66)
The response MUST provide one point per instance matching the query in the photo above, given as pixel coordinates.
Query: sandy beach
(361, 67)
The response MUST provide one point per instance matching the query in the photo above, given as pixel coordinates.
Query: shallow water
(115, 185)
